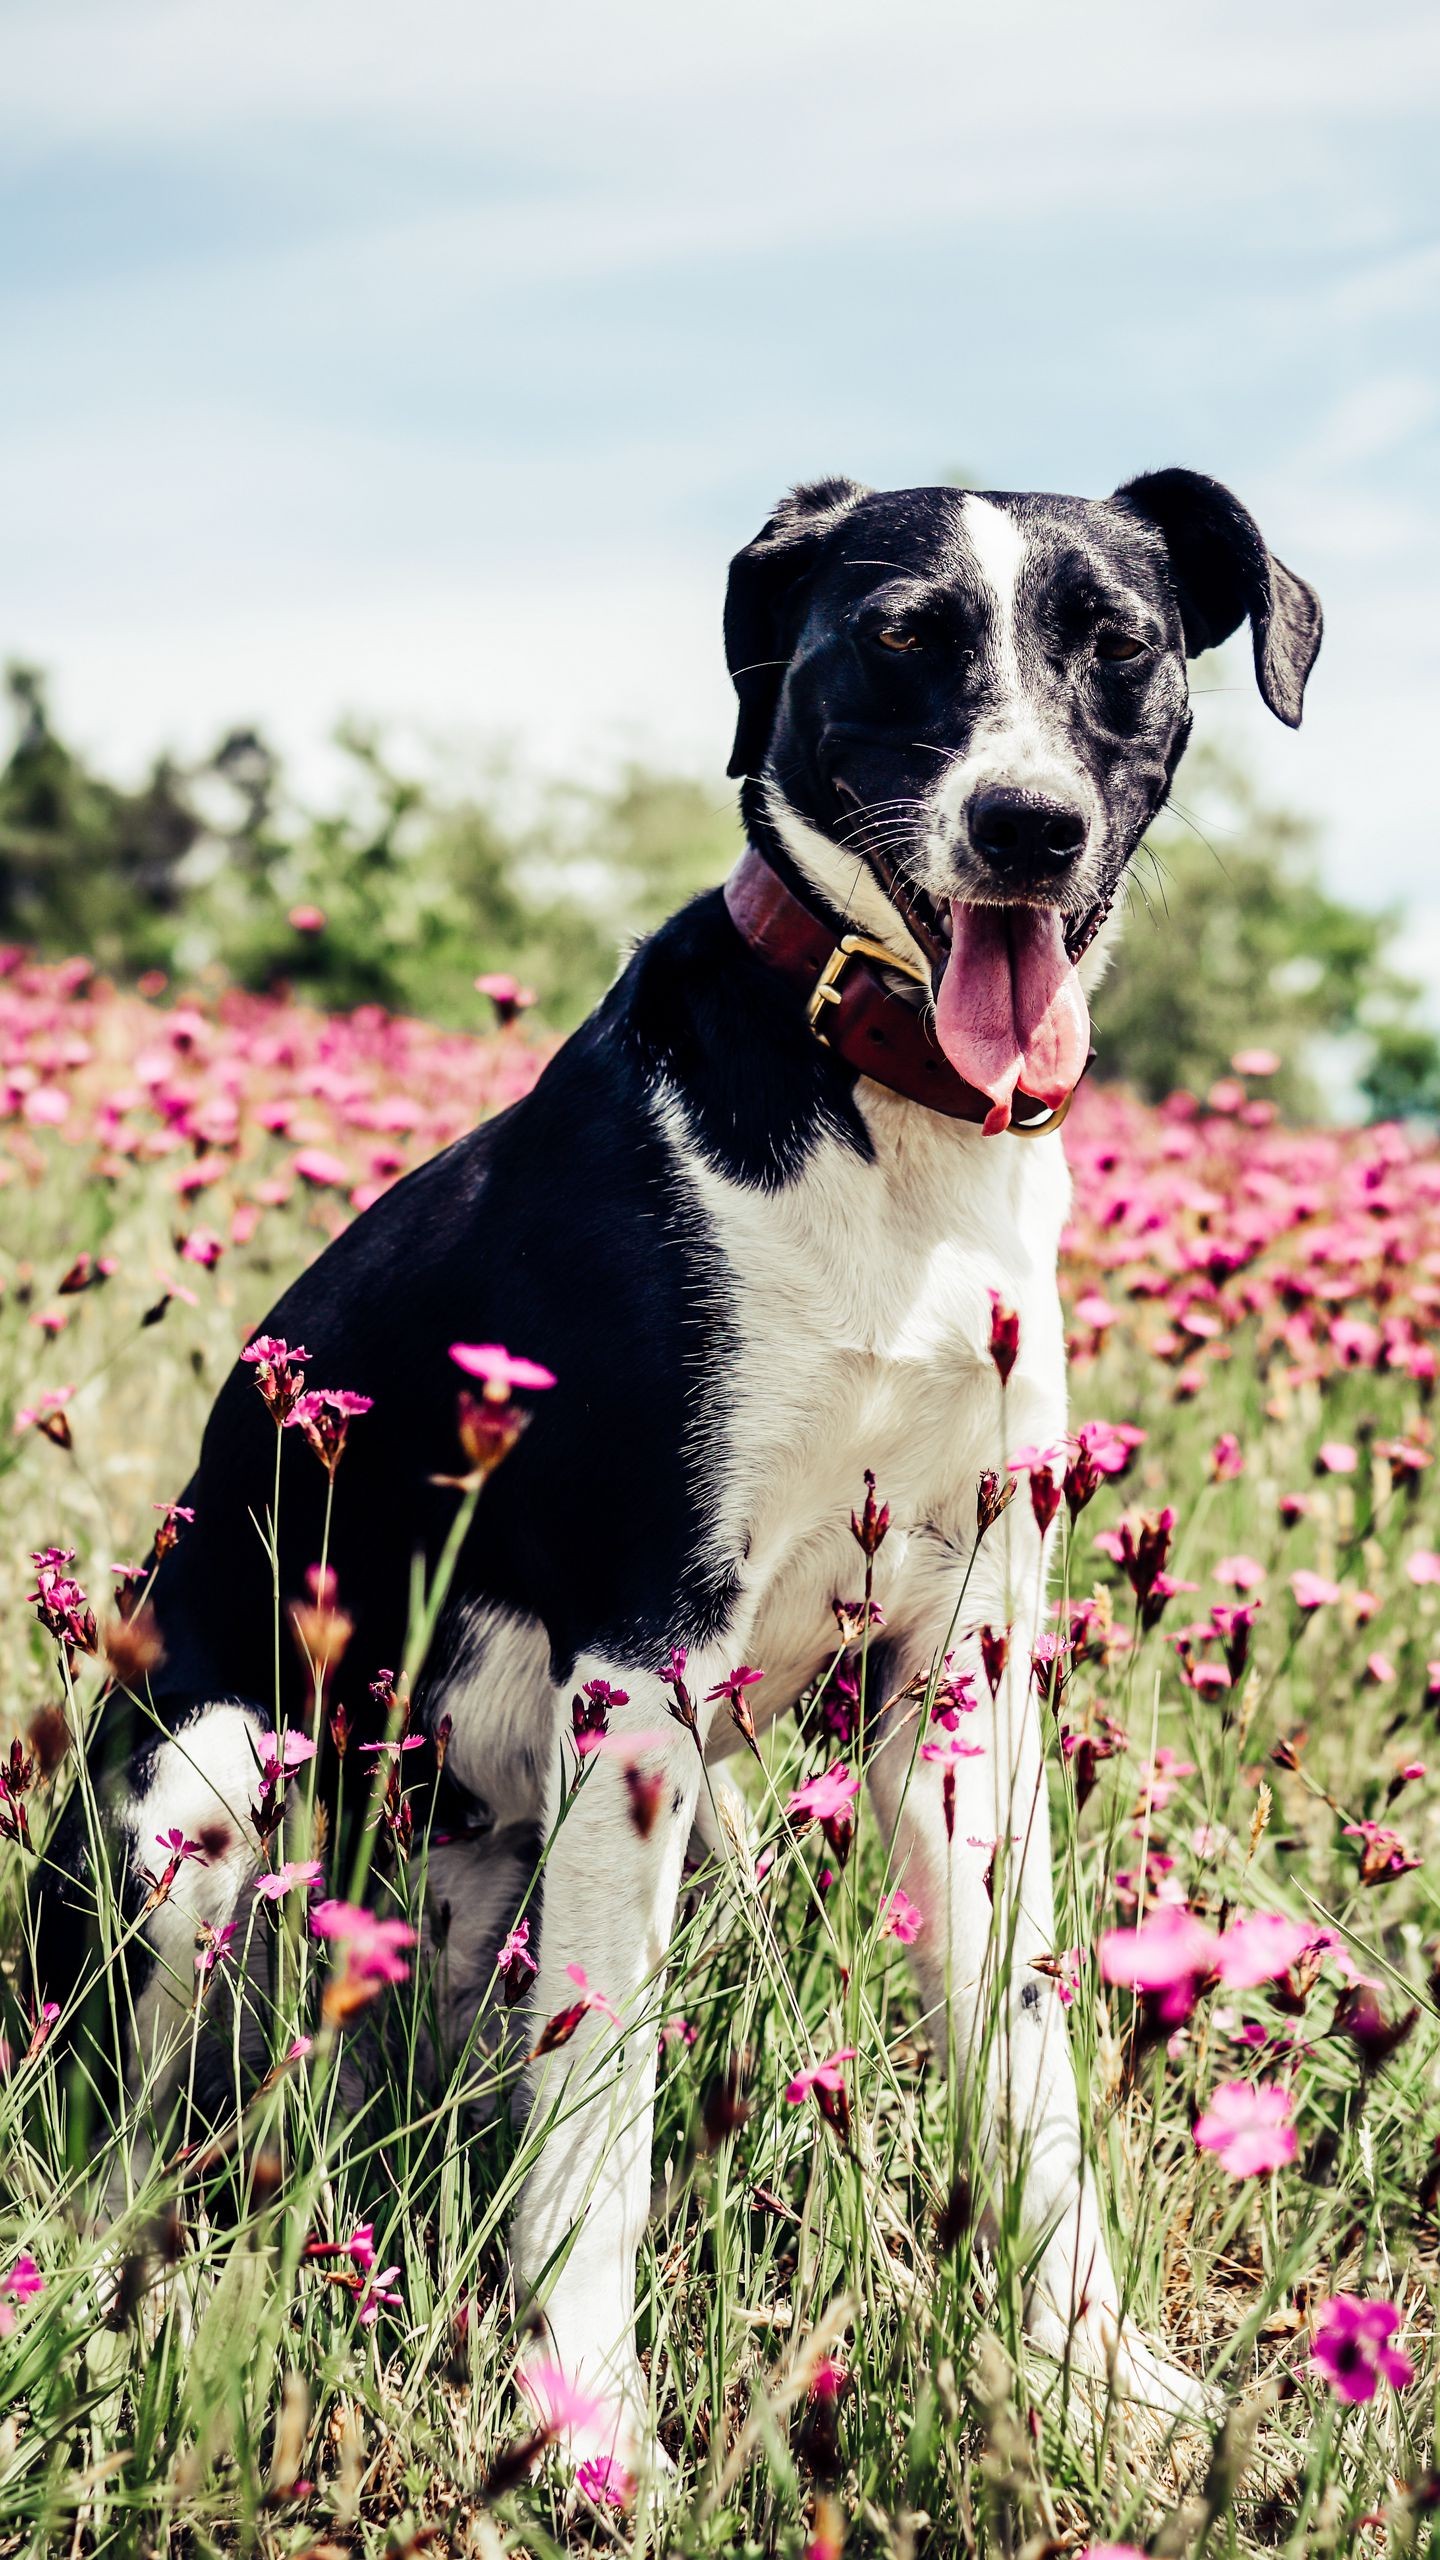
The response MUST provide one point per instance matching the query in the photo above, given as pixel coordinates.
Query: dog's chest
(862, 1300)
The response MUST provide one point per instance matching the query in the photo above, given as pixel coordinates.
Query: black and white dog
(751, 1217)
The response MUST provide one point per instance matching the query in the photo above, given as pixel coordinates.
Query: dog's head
(960, 713)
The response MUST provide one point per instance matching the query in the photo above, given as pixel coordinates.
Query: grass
(192, 2378)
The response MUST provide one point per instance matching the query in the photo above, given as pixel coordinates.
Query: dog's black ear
(762, 605)
(1224, 572)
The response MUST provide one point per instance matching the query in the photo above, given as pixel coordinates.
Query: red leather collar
(849, 1007)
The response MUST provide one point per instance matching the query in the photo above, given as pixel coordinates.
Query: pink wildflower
(590, 1998)
(901, 1917)
(1004, 1336)
(1248, 2128)
(505, 993)
(1263, 1945)
(295, 1873)
(515, 1966)
(377, 2295)
(499, 1370)
(1313, 1591)
(562, 2405)
(1352, 2347)
(373, 1947)
(278, 1373)
(325, 1414)
(604, 2480)
(1171, 1954)
(830, 1801)
(21, 2285)
(829, 2075)
(1240, 1573)
(1423, 1567)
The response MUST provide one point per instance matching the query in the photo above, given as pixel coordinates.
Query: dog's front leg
(970, 1829)
(609, 1889)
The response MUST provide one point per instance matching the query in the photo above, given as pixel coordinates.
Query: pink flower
(325, 1414)
(590, 1998)
(500, 1371)
(948, 1747)
(306, 919)
(1255, 1062)
(1312, 1591)
(21, 2285)
(372, 1946)
(379, 2294)
(1336, 1458)
(830, 1801)
(505, 993)
(1423, 1567)
(175, 1845)
(1248, 2129)
(280, 1756)
(1262, 1946)
(1352, 2346)
(561, 2404)
(320, 1166)
(816, 2076)
(295, 1872)
(214, 1948)
(1227, 1459)
(278, 1373)
(901, 1917)
(1067, 1973)
(1383, 1853)
(822, 1798)
(515, 1966)
(360, 2247)
(605, 2481)
(1004, 1336)
(1172, 1954)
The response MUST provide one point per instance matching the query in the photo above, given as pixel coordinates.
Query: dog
(753, 1219)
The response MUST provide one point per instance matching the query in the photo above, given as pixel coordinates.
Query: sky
(427, 362)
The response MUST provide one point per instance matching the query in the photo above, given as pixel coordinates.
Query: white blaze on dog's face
(959, 713)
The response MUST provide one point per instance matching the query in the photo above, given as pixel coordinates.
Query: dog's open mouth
(1009, 1009)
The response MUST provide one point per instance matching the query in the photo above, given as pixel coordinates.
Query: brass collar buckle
(854, 946)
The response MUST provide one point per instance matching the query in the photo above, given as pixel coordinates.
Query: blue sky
(430, 360)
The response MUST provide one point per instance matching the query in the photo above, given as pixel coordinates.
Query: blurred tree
(409, 887)
(1230, 942)
(83, 864)
(401, 895)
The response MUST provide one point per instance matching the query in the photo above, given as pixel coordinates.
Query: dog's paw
(598, 2432)
(1099, 2346)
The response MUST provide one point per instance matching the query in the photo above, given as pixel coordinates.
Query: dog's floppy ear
(1224, 572)
(761, 602)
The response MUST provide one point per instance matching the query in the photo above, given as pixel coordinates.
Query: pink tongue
(1011, 1010)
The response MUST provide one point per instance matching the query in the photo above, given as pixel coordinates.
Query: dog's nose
(1025, 834)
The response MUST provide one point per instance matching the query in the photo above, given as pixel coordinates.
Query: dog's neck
(838, 886)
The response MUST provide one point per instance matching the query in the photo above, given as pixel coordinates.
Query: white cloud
(470, 448)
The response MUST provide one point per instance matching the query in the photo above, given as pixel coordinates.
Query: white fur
(1018, 742)
(860, 1292)
(206, 1778)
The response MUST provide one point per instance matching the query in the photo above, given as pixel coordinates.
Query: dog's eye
(1118, 644)
(892, 637)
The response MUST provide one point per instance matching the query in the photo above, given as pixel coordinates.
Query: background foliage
(425, 880)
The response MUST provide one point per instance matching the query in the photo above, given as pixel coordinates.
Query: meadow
(291, 2332)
